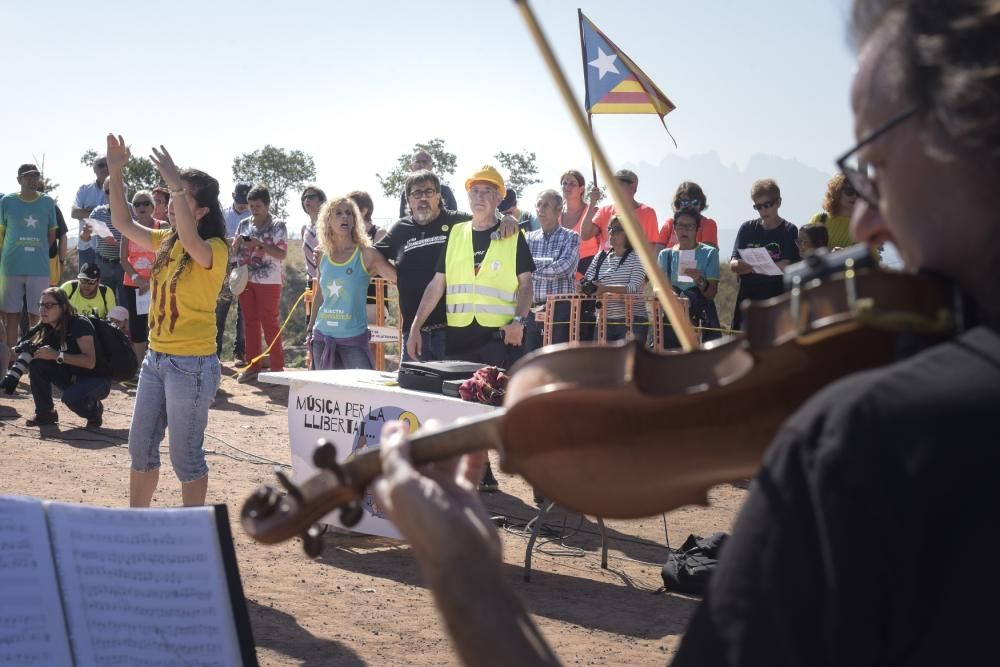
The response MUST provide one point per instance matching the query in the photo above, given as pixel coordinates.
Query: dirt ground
(362, 601)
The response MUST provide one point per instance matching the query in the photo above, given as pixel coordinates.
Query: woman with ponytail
(180, 372)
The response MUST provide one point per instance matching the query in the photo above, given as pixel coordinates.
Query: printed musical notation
(87, 585)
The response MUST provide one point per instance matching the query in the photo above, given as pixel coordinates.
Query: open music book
(86, 585)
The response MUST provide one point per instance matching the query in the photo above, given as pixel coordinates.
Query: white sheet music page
(32, 626)
(143, 586)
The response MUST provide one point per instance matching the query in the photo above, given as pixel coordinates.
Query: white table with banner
(348, 408)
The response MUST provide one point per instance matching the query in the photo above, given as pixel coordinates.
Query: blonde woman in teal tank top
(338, 327)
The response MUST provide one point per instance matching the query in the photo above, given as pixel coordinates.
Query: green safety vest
(490, 297)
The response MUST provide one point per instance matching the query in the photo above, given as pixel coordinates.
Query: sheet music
(143, 586)
(32, 626)
(760, 260)
(686, 260)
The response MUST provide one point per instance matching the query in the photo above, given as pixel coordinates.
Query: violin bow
(661, 288)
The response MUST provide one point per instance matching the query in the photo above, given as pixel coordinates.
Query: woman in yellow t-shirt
(180, 372)
(838, 204)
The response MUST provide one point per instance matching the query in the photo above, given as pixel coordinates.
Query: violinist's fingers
(473, 467)
(394, 453)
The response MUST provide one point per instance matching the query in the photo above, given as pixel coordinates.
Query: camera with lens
(588, 287)
(25, 351)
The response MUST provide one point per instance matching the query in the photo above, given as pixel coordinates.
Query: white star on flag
(31, 221)
(604, 62)
(333, 291)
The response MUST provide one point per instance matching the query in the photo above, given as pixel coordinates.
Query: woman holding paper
(771, 233)
(693, 269)
(137, 262)
(180, 373)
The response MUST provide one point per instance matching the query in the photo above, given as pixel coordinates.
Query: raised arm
(118, 155)
(184, 220)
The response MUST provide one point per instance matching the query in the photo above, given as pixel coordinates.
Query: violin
(621, 432)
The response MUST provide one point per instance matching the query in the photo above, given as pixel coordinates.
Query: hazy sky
(357, 83)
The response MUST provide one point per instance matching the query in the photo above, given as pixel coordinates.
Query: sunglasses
(625, 181)
(766, 205)
(615, 230)
(88, 281)
(685, 203)
(850, 191)
(311, 195)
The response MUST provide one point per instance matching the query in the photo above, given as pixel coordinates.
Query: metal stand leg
(604, 543)
(536, 525)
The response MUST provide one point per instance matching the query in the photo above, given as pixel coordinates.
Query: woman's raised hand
(168, 170)
(118, 153)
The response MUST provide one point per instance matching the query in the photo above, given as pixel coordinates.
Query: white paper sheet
(98, 228)
(32, 625)
(760, 260)
(686, 260)
(142, 302)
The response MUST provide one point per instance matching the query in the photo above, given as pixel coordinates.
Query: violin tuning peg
(263, 502)
(289, 486)
(312, 541)
(325, 455)
(351, 514)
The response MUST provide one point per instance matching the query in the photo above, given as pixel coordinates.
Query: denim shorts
(174, 391)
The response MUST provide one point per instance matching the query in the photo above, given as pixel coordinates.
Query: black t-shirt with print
(414, 249)
(474, 336)
(780, 244)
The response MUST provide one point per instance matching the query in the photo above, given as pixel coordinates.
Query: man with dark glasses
(87, 295)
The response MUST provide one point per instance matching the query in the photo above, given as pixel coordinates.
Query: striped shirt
(614, 271)
(309, 242)
(107, 249)
(556, 255)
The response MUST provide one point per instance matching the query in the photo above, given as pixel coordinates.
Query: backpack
(115, 355)
(103, 289)
(689, 568)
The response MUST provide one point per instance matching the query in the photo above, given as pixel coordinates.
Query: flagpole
(664, 294)
(586, 88)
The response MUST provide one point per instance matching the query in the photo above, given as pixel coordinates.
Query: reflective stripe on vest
(489, 298)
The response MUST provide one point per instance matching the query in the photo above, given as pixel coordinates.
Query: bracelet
(177, 192)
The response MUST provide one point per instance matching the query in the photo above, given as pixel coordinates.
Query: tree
(444, 165)
(521, 169)
(46, 186)
(279, 169)
(139, 173)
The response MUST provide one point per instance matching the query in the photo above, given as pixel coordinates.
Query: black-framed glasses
(426, 193)
(763, 206)
(860, 175)
(45, 305)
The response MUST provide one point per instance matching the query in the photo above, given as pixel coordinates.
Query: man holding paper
(764, 247)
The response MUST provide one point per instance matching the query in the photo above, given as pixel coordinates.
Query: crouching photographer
(65, 356)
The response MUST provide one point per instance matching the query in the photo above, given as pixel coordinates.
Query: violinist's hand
(436, 508)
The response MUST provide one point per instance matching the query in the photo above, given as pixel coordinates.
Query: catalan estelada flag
(614, 83)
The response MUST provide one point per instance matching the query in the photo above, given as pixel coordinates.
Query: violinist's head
(928, 126)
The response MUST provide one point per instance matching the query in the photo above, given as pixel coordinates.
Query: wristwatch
(60, 359)
(519, 320)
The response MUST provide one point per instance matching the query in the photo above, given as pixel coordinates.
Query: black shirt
(60, 232)
(77, 327)
(780, 244)
(415, 248)
(474, 336)
(864, 539)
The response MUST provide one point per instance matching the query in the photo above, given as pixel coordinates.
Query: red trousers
(260, 311)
